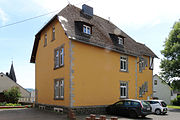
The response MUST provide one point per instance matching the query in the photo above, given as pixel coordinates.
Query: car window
(150, 102)
(133, 103)
(156, 102)
(145, 103)
(119, 103)
(163, 104)
(127, 103)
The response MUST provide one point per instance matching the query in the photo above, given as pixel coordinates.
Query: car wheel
(133, 114)
(158, 111)
(143, 116)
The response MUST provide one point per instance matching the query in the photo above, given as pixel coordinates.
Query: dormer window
(120, 41)
(86, 29)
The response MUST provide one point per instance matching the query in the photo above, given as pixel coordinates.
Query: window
(86, 29)
(123, 89)
(155, 82)
(142, 63)
(120, 41)
(120, 103)
(123, 63)
(146, 86)
(59, 57)
(53, 33)
(140, 91)
(134, 103)
(45, 39)
(127, 103)
(62, 57)
(58, 89)
(151, 63)
(143, 89)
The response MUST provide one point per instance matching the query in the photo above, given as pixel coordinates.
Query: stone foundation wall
(86, 110)
(90, 110)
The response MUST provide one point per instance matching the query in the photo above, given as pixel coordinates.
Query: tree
(12, 95)
(170, 64)
(176, 85)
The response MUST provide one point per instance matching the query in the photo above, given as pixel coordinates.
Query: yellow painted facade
(97, 76)
(96, 72)
(44, 67)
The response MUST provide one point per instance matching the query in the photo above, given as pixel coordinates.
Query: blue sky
(146, 21)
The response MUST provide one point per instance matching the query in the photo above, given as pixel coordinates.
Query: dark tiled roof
(101, 30)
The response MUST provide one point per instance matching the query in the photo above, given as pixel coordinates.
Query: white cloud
(132, 13)
(3, 17)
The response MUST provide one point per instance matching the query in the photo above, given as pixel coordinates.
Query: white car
(158, 106)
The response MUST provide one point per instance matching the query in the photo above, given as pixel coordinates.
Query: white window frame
(124, 65)
(45, 39)
(146, 86)
(86, 29)
(123, 89)
(151, 63)
(59, 57)
(140, 92)
(57, 60)
(120, 41)
(59, 88)
(155, 82)
(53, 33)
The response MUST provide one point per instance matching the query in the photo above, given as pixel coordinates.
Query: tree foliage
(176, 85)
(12, 95)
(170, 64)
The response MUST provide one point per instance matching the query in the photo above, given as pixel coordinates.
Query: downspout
(70, 81)
(136, 78)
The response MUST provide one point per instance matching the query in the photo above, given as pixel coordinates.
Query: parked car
(130, 107)
(158, 106)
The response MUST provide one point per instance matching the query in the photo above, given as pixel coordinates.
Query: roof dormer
(118, 40)
(83, 29)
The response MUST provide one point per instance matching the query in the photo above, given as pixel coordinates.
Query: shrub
(12, 95)
(176, 101)
(9, 104)
(3, 103)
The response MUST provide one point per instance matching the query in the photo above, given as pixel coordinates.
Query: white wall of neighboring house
(162, 91)
(174, 95)
(6, 83)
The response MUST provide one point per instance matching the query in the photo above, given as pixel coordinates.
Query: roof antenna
(68, 1)
(12, 60)
(109, 19)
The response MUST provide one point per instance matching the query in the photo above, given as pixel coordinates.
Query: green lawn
(172, 106)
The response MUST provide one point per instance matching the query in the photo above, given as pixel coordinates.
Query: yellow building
(82, 60)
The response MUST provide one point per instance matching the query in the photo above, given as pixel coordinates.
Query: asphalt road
(35, 114)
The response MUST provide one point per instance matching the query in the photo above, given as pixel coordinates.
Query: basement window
(86, 29)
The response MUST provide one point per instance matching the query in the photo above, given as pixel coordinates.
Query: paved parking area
(35, 114)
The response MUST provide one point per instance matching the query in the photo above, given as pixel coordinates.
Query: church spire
(12, 73)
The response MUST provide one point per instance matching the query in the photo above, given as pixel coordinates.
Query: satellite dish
(117, 31)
